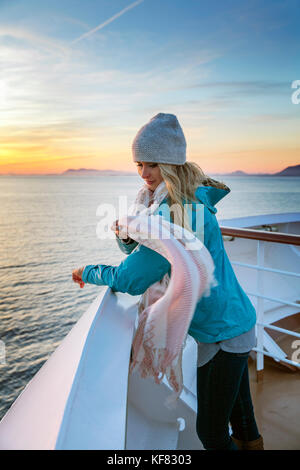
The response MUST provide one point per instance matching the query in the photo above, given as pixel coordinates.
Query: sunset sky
(79, 78)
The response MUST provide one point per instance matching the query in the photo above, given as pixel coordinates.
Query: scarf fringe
(155, 363)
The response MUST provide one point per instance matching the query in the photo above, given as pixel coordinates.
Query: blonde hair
(182, 182)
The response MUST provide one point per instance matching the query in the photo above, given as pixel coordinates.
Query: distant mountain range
(289, 171)
(93, 172)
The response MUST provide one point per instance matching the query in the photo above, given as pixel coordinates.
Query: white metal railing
(262, 238)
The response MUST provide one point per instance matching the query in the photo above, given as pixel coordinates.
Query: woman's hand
(115, 228)
(77, 276)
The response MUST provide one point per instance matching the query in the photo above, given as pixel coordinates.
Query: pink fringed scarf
(167, 307)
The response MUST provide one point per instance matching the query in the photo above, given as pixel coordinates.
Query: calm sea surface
(48, 228)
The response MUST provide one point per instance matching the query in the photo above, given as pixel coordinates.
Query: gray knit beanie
(161, 140)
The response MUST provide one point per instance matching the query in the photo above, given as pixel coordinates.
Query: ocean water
(48, 228)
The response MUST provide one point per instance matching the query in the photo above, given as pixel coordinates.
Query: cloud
(257, 87)
(267, 117)
(46, 83)
(22, 38)
(260, 17)
(110, 20)
(56, 94)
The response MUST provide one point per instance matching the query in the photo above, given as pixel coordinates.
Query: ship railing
(262, 238)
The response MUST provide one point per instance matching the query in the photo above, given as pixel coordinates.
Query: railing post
(260, 311)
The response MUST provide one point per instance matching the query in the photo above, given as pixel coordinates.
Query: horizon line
(128, 173)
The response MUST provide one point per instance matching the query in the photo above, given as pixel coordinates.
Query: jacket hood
(209, 196)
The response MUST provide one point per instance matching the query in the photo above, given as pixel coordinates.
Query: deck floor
(276, 401)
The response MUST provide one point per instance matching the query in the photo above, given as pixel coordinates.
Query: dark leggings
(223, 394)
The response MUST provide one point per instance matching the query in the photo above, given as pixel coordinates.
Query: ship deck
(276, 398)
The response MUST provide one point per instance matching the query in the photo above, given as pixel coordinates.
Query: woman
(223, 323)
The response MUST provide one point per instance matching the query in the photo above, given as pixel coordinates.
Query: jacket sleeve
(134, 275)
(127, 248)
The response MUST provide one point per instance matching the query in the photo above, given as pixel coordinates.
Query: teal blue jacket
(226, 313)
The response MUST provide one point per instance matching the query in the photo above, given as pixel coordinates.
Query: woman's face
(150, 173)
